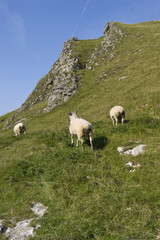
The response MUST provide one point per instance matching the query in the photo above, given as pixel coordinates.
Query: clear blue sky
(32, 34)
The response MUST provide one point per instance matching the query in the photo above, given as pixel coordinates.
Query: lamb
(19, 129)
(117, 113)
(81, 128)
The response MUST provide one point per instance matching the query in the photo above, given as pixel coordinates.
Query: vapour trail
(83, 11)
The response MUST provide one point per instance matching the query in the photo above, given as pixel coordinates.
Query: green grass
(92, 195)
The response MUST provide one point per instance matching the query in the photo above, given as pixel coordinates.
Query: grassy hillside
(92, 195)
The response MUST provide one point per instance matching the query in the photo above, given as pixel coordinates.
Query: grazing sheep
(19, 129)
(117, 113)
(81, 128)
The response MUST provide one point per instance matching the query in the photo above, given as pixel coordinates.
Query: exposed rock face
(60, 83)
(62, 80)
(57, 86)
(112, 34)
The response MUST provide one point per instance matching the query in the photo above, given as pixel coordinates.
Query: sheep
(117, 113)
(81, 128)
(19, 129)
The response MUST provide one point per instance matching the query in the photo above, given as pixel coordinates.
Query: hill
(89, 195)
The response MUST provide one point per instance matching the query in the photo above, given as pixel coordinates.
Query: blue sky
(32, 34)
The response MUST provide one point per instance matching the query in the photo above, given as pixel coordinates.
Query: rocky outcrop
(62, 80)
(112, 34)
(60, 83)
(134, 152)
(57, 86)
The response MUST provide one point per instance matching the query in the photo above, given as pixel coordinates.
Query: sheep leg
(113, 120)
(82, 144)
(122, 120)
(77, 142)
(72, 142)
(90, 139)
(116, 122)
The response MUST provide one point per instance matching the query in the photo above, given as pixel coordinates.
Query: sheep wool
(117, 113)
(80, 127)
(19, 129)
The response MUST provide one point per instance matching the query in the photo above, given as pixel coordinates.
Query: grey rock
(65, 83)
(53, 86)
(21, 231)
(112, 35)
(38, 209)
(134, 152)
(121, 78)
(62, 80)
(131, 167)
(130, 164)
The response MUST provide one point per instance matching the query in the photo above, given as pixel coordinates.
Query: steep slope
(62, 80)
(91, 195)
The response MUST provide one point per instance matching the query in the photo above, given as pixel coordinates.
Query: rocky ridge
(62, 80)
(112, 34)
(60, 83)
(57, 86)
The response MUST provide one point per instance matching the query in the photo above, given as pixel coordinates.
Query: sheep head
(72, 115)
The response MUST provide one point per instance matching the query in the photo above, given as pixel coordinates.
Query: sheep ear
(69, 113)
(76, 112)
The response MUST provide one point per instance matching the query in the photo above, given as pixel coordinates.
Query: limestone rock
(21, 231)
(135, 151)
(112, 34)
(62, 80)
(38, 209)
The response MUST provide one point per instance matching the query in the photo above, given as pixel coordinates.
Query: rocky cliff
(60, 83)
(62, 80)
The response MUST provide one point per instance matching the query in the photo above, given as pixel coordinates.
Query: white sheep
(117, 113)
(81, 128)
(19, 129)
